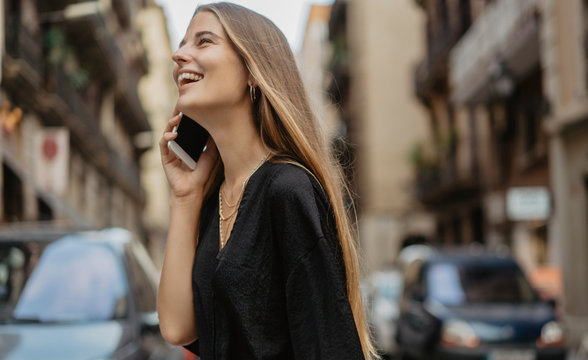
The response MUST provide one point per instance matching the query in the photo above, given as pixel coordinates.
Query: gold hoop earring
(252, 93)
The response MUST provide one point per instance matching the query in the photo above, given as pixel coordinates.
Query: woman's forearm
(175, 297)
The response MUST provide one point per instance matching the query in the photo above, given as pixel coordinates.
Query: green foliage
(79, 79)
(421, 158)
(60, 54)
(57, 49)
(416, 154)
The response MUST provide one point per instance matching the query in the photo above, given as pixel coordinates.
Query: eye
(204, 40)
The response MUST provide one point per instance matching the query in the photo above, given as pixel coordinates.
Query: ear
(251, 81)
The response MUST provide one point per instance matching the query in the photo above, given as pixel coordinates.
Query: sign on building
(528, 203)
(52, 159)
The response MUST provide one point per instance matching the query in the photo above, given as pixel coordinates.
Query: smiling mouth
(187, 78)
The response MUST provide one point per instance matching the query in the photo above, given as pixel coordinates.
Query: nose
(179, 56)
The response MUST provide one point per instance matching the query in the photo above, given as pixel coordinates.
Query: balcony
(431, 74)
(59, 85)
(126, 81)
(123, 12)
(22, 44)
(506, 35)
(22, 65)
(68, 109)
(443, 181)
(126, 90)
(94, 36)
(437, 187)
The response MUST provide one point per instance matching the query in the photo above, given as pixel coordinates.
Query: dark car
(466, 306)
(81, 295)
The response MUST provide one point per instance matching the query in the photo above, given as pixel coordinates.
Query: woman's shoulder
(291, 179)
(290, 184)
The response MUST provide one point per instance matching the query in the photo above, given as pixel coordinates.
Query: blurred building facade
(158, 92)
(375, 46)
(483, 89)
(313, 60)
(73, 127)
(505, 87)
(564, 56)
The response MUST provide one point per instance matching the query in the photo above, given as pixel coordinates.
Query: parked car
(474, 306)
(79, 295)
(582, 352)
(386, 286)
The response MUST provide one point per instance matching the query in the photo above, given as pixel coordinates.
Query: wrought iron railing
(127, 81)
(118, 167)
(22, 44)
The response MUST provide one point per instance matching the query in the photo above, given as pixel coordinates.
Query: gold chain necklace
(236, 201)
(221, 217)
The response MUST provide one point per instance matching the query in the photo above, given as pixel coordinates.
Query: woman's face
(208, 71)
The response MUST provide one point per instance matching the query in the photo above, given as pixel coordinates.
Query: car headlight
(552, 335)
(458, 333)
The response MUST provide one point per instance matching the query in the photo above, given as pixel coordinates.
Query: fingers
(168, 133)
(167, 136)
(175, 120)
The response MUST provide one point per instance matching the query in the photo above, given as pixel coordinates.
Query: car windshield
(67, 280)
(456, 284)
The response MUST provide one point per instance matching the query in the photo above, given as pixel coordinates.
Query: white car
(385, 289)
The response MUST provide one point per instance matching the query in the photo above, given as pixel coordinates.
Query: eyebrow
(200, 34)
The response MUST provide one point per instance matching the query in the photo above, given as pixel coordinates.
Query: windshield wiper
(25, 320)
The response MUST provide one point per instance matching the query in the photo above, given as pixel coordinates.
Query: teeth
(189, 76)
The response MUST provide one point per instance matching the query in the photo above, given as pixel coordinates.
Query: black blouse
(277, 290)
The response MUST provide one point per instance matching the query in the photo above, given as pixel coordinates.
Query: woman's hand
(183, 181)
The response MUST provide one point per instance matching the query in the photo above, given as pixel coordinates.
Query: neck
(238, 142)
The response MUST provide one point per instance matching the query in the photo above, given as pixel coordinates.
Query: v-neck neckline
(240, 207)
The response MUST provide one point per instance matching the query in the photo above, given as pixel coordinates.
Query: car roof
(465, 255)
(116, 237)
(468, 258)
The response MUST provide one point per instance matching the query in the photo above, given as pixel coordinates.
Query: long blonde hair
(289, 128)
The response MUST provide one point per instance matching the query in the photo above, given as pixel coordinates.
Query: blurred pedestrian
(260, 262)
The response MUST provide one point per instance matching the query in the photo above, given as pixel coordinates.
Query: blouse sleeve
(193, 347)
(319, 315)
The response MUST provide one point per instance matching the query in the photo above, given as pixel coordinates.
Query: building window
(45, 211)
(474, 143)
(586, 195)
(443, 15)
(452, 140)
(585, 17)
(440, 232)
(529, 107)
(477, 225)
(541, 248)
(531, 123)
(457, 228)
(13, 196)
(465, 15)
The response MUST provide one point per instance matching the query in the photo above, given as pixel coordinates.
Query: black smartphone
(190, 142)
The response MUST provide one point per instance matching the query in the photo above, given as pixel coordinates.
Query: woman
(260, 262)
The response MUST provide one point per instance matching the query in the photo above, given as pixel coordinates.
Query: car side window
(13, 274)
(143, 288)
(413, 278)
